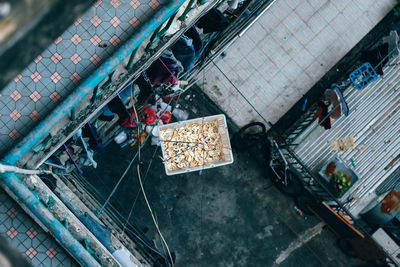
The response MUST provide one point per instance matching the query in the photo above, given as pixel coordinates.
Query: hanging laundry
(158, 73)
(184, 52)
(100, 231)
(377, 56)
(193, 34)
(57, 166)
(94, 142)
(171, 62)
(107, 112)
(343, 104)
(86, 158)
(107, 115)
(70, 153)
(333, 98)
(213, 21)
(323, 116)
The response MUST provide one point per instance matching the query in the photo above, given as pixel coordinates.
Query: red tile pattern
(31, 252)
(56, 58)
(115, 40)
(14, 135)
(75, 58)
(76, 39)
(115, 22)
(31, 233)
(154, 4)
(68, 60)
(11, 233)
(78, 21)
(51, 252)
(15, 115)
(37, 246)
(17, 78)
(55, 96)
(115, 3)
(38, 59)
(95, 40)
(75, 78)
(97, 3)
(95, 59)
(96, 21)
(36, 76)
(55, 77)
(12, 213)
(134, 22)
(35, 96)
(135, 4)
(15, 95)
(58, 40)
(35, 116)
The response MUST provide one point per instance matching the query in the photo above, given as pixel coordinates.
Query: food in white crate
(192, 145)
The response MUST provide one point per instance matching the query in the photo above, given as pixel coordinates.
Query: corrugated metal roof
(374, 121)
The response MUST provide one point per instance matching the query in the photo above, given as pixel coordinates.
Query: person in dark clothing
(193, 34)
(116, 106)
(213, 21)
(158, 73)
(184, 52)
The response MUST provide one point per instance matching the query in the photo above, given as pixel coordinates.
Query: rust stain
(330, 169)
(390, 203)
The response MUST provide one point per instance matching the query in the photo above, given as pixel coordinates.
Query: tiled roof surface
(42, 85)
(73, 56)
(37, 246)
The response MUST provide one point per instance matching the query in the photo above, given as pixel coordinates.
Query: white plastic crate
(222, 129)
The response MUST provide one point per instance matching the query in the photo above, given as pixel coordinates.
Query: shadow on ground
(226, 216)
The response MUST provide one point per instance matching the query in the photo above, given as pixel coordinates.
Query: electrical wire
(138, 192)
(151, 161)
(137, 120)
(244, 97)
(133, 159)
(152, 216)
(98, 195)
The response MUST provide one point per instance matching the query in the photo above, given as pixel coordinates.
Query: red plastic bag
(129, 122)
(167, 99)
(166, 117)
(148, 115)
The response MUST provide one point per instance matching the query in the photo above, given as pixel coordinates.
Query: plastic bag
(148, 115)
(180, 114)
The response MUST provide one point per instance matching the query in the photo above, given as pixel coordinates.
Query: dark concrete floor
(226, 216)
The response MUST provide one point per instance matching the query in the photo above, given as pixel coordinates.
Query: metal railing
(313, 183)
(306, 119)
